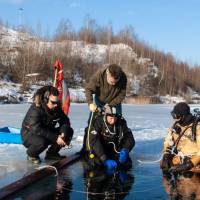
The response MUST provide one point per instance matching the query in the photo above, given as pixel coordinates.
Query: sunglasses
(54, 102)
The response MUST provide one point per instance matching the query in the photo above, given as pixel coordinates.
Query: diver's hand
(185, 166)
(166, 162)
(123, 155)
(110, 164)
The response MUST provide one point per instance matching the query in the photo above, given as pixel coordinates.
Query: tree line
(173, 76)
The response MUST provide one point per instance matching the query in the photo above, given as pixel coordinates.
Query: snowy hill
(12, 42)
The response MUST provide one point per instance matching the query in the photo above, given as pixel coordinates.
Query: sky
(167, 25)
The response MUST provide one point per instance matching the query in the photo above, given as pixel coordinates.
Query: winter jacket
(103, 144)
(186, 146)
(106, 93)
(40, 121)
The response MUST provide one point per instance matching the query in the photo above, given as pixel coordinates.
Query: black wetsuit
(104, 140)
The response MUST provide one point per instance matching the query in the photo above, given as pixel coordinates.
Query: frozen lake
(149, 124)
(147, 121)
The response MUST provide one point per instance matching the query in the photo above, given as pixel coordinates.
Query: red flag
(61, 85)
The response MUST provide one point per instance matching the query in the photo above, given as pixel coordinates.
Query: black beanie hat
(181, 109)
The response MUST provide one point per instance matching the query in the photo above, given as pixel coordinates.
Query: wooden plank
(35, 176)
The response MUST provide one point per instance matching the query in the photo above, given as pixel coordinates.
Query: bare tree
(88, 31)
(64, 31)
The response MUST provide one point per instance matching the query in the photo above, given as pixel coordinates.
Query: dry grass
(142, 100)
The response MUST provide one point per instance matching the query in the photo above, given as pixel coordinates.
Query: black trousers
(36, 144)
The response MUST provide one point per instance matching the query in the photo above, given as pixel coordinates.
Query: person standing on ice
(108, 86)
(45, 124)
(109, 141)
(182, 144)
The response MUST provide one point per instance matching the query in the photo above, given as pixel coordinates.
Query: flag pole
(55, 76)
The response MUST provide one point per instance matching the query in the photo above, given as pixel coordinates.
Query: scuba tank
(194, 125)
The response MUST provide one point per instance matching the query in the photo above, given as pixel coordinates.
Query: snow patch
(171, 99)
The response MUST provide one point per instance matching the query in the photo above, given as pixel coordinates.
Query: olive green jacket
(106, 93)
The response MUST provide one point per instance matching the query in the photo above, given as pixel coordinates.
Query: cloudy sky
(168, 25)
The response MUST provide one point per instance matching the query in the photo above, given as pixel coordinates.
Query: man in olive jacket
(45, 124)
(108, 86)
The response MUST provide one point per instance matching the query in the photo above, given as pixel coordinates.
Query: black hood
(186, 120)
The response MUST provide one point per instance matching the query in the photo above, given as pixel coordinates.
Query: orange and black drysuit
(182, 144)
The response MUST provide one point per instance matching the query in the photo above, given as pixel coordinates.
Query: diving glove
(166, 162)
(123, 155)
(110, 164)
(185, 166)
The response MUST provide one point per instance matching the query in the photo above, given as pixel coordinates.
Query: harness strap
(178, 139)
(194, 128)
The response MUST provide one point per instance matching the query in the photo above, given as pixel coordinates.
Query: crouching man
(45, 124)
(109, 141)
(182, 145)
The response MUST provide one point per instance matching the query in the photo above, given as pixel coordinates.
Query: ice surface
(149, 124)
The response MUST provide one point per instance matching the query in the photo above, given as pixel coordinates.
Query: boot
(54, 156)
(34, 160)
(52, 153)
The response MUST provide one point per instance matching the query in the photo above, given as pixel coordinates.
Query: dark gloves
(185, 166)
(110, 164)
(166, 162)
(123, 155)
